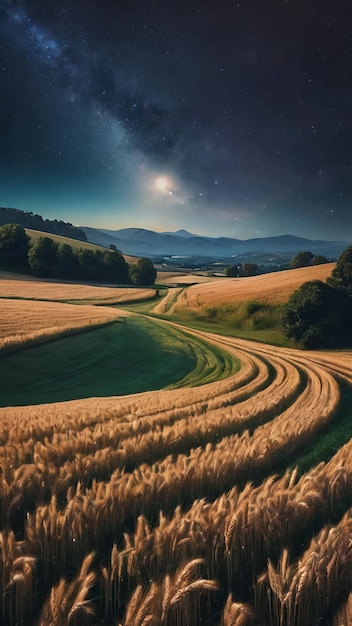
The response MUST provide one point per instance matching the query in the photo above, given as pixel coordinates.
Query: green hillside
(74, 243)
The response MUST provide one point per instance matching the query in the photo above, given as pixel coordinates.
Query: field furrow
(275, 287)
(178, 504)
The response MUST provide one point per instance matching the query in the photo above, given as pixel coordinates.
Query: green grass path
(119, 359)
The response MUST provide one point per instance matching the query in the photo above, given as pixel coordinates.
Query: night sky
(222, 117)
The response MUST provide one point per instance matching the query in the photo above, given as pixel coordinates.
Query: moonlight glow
(162, 183)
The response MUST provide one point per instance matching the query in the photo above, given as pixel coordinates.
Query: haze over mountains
(268, 251)
(141, 242)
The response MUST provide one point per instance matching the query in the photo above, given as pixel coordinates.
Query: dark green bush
(318, 316)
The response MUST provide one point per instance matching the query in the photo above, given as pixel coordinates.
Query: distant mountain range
(148, 243)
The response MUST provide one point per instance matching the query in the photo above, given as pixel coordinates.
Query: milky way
(243, 108)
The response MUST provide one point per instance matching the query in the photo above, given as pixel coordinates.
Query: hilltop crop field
(272, 288)
(250, 307)
(226, 503)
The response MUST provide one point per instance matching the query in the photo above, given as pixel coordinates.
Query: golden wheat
(51, 290)
(305, 591)
(267, 288)
(236, 614)
(178, 599)
(38, 321)
(69, 602)
(155, 485)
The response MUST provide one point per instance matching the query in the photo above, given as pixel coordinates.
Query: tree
(341, 276)
(14, 246)
(302, 259)
(90, 264)
(249, 269)
(115, 268)
(66, 262)
(143, 272)
(317, 316)
(319, 259)
(233, 271)
(42, 257)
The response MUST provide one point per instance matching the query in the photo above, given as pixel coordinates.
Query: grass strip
(331, 439)
(272, 336)
(119, 359)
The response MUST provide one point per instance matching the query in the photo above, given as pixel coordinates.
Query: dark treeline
(49, 259)
(302, 259)
(318, 314)
(28, 219)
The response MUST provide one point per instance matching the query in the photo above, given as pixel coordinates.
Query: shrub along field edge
(251, 320)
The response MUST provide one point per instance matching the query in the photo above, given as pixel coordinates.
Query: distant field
(16, 286)
(243, 307)
(176, 278)
(273, 288)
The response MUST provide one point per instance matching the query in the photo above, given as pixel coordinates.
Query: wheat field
(25, 323)
(33, 310)
(27, 287)
(274, 288)
(182, 507)
(177, 507)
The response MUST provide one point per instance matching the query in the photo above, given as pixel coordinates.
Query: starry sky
(226, 118)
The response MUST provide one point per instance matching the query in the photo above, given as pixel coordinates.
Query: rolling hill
(74, 243)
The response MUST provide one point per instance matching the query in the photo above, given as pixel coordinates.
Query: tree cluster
(27, 219)
(242, 269)
(14, 246)
(47, 258)
(143, 272)
(318, 314)
(305, 258)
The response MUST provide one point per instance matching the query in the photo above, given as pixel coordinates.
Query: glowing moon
(161, 183)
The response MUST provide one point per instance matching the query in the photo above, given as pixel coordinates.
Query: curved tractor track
(176, 507)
